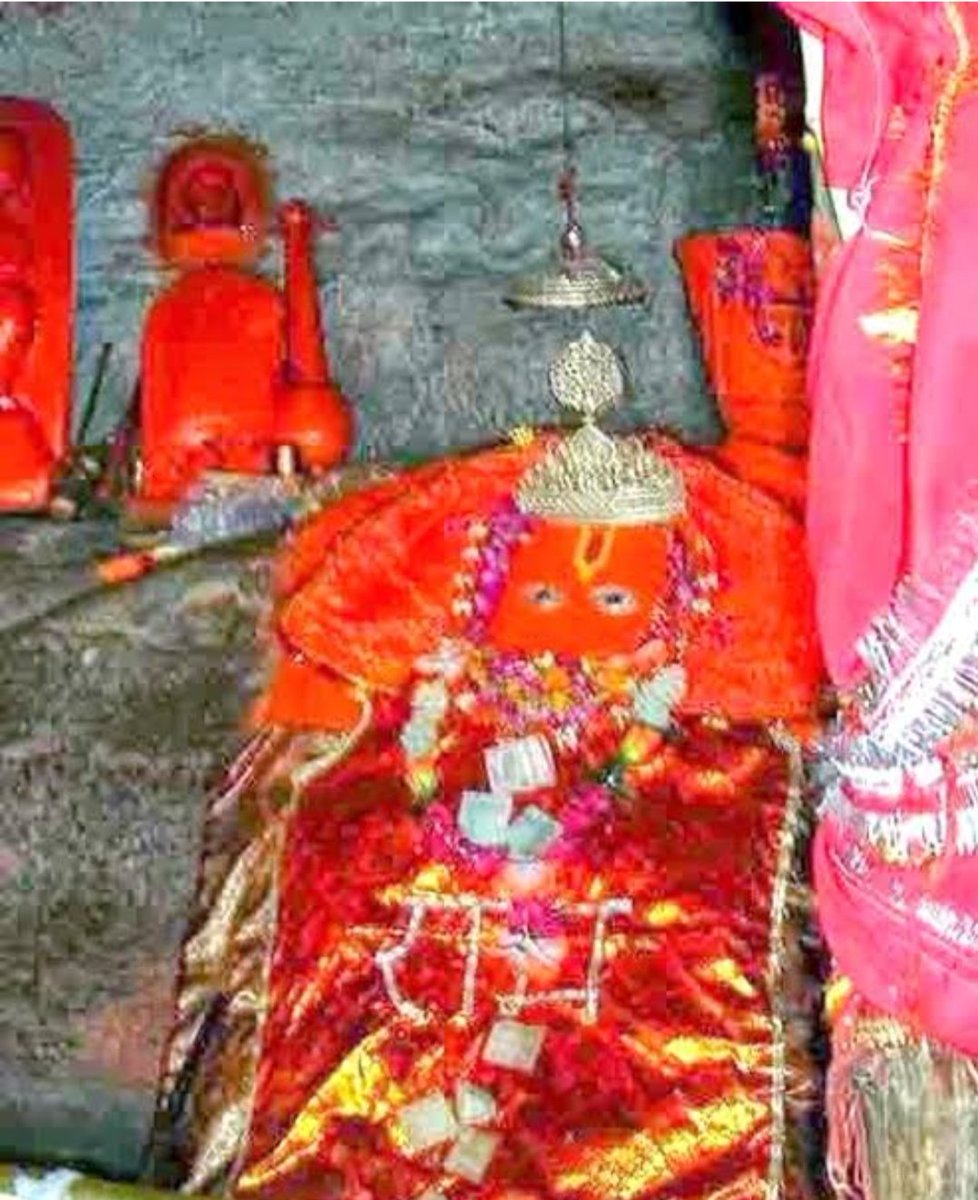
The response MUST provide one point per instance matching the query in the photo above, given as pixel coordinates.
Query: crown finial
(586, 377)
(590, 477)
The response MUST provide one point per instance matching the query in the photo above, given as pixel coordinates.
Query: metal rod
(567, 141)
(91, 402)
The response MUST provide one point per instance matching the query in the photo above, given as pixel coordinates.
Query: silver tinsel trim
(896, 835)
(923, 656)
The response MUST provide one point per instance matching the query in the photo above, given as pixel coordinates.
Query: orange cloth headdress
(372, 584)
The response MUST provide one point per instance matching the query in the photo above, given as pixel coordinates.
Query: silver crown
(589, 476)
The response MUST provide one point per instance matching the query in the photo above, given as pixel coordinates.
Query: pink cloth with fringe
(896, 854)
(895, 344)
(907, 936)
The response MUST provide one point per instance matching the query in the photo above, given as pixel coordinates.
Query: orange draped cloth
(415, 1007)
(644, 965)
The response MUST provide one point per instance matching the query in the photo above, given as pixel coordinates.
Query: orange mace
(313, 421)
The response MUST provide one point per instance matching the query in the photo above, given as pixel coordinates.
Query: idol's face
(212, 198)
(582, 591)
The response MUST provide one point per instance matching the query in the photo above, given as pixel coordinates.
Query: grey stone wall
(432, 131)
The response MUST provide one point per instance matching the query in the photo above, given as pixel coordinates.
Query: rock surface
(114, 718)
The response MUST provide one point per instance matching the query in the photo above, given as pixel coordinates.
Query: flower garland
(555, 694)
(560, 696)
(488, 555)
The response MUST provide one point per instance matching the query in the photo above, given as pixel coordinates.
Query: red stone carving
(36, 292)
(232, 369)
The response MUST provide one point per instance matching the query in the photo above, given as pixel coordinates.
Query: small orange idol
(36, 286)
(234, 375)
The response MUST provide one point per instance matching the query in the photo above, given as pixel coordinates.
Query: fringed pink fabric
(895, 857)
(922, 652)
(891, 366)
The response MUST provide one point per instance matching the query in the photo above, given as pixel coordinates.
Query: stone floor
(115, 715)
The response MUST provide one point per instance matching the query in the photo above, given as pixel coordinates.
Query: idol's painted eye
(613, 599)
(544, 595)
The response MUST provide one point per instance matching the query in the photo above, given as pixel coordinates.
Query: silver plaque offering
(514, 1045)
(428, 1122)
(471, 1155)
(520, 765)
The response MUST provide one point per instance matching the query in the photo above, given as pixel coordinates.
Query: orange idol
(234, 374)
(751, 294)
(500, 899)
(36, 295)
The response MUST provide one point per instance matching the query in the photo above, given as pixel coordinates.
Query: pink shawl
(893, 517)
(895, 345)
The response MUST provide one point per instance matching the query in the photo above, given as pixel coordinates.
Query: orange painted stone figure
(219, 343)
(212, 203)
(508, 914)
(36, 296)
(752, 295)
